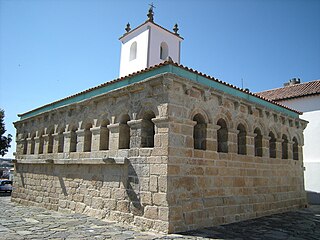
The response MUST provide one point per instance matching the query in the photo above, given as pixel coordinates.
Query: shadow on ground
(301, 224)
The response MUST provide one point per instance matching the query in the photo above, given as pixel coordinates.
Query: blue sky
(50, 49)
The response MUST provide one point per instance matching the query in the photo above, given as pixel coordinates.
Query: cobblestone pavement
(21, 222)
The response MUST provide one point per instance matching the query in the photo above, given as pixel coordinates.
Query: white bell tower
(147, 45)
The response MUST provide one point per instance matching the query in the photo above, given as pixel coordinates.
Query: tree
(4, 140)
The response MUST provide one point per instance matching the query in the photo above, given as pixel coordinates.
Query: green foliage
(4, 140)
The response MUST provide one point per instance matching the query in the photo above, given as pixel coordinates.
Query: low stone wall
(119, 192)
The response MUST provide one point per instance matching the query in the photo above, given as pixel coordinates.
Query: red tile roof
(293, 91)
(167, 62)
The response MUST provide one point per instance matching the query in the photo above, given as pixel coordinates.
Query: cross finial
(152, 6)
(150, 13)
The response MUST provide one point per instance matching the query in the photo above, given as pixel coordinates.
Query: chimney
(292, 82)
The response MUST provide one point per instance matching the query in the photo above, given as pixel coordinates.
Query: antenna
(242, 83)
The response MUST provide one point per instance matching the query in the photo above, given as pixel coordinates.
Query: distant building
(304, 97)
(163, 146)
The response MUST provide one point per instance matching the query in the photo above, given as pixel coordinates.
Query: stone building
(165, 148)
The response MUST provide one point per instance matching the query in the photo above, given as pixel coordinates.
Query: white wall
(310, 106)
(304, 104)
(158, 36)
(127, 66)
(312, 176)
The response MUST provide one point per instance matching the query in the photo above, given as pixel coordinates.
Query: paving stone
(24, 222)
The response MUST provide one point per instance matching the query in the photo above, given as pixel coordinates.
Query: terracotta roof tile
(168, 62)
(293, 91)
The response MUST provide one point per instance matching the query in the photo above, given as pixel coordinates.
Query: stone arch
(222, 136)
(272, 144)
(257, 142)
(200, 132)
(262, 127)
(284, 146)
(148, 105)
(147, 129)
(202, 112)
(226, 116)
(295, 148)
(242, 139)
(124, 132)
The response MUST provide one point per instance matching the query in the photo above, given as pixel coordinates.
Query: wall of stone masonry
(169, 186)
(126, 185)
(207, 187)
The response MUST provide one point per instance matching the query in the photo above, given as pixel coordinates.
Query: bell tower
(147, 45)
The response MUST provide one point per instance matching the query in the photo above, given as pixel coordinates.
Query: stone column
(45, 143)
(279, 148)
(161, 126)
(265, 146)
(290, 149)
(29, 145)
(113, 136)
(135, 133)
(36, 145)
(214, 131)
(250, 144)
(55, 142)
(232, 141)
(80, 140)
(67, 141)
(95, 144)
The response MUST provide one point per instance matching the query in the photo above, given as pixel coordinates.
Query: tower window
(133, 51)
(164, 51)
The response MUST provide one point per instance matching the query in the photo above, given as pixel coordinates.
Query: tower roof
(165, 67)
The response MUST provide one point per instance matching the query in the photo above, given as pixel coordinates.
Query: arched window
(73, 140)
(258, 143)
(284, 147)
(124, 132)
(60, 141)
(41, 144)
(87, 138)
(164, 51)
(32, 145)
(147, 130)
(222, 135)
(272, 146)
(200, 132)
(295, 149)
(241, 139)
(133, 51)
(50, 142)
(104, 135)
(25, 145)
